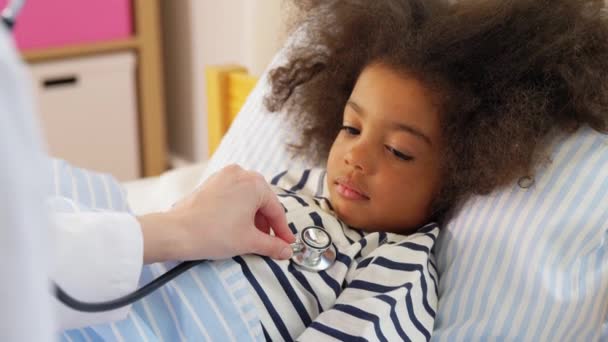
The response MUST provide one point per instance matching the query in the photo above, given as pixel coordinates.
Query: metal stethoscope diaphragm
(313, 250)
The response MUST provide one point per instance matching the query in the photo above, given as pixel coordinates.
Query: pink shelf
(57, 23)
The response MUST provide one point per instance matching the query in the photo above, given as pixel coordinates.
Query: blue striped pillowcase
(532, 264)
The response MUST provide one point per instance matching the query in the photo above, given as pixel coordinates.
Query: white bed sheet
(154, 194)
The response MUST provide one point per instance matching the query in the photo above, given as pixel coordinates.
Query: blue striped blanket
(210, 302)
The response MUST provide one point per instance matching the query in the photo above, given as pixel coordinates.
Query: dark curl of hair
(506, 75)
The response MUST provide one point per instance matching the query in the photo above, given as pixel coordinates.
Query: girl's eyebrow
(397, 125)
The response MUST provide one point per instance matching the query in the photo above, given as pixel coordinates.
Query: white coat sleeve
(98, 257)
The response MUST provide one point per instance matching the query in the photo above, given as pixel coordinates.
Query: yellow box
(227, 90)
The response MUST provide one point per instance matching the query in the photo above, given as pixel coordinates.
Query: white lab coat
(93, 256)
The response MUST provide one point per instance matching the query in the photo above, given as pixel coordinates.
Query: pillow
(522, 264)
(257, 138)
(531, 264)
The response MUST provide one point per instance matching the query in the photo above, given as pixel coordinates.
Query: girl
(416, 106)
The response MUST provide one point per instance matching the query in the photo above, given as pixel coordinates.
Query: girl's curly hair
(506, 75)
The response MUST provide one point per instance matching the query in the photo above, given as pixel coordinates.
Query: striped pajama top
(383, 286)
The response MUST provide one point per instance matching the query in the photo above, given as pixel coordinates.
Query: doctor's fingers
(268, 245)
(274, 213)
(261, 223)
(255, 192)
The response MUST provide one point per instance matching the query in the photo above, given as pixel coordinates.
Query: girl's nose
(359, 158)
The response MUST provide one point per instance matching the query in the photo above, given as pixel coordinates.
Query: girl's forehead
(383, 93)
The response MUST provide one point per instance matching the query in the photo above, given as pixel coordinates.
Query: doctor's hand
(231, 213)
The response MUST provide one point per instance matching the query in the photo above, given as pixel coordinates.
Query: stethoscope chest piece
(314, 251)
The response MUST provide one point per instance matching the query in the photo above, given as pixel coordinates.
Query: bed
(520, 264)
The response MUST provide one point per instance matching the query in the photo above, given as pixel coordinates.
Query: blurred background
(136, 87)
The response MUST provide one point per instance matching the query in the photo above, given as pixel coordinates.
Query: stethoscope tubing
(127, 299)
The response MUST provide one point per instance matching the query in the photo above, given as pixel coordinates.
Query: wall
(198, 33)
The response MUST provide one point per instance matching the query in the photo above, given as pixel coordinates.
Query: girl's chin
(350, 216)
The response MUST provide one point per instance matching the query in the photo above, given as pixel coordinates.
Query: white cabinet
(88, 111)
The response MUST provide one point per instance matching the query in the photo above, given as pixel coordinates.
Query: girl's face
(383, 169)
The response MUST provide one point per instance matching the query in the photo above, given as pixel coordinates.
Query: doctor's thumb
(272, 246)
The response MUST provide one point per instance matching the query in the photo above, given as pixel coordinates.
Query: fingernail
(285, 253)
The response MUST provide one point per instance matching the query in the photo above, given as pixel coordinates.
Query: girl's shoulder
(428, 232)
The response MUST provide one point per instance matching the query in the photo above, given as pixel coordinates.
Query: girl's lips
(349, 191)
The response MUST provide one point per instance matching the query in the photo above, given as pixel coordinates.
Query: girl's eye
(350, 130)
(400, 155)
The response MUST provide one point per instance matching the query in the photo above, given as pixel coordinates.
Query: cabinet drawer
(88, 112)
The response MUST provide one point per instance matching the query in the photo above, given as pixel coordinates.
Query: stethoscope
(313, 250)
(9, 14)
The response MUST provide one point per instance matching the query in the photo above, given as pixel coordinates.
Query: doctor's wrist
(162, 236)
